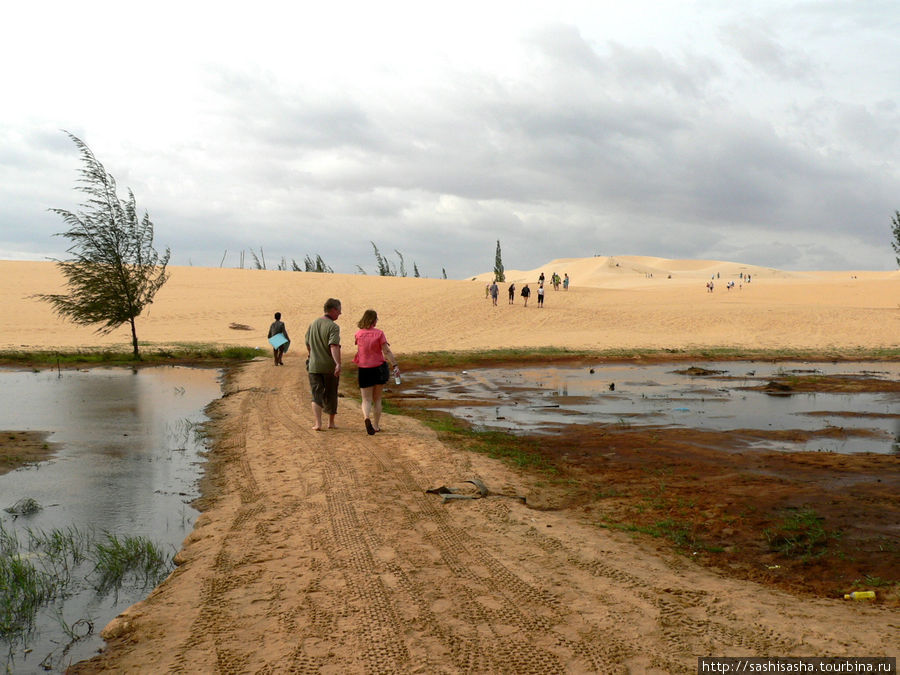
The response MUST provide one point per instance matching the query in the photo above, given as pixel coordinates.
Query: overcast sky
(765, 132)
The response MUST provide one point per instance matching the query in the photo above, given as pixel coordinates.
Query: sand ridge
(607, 307)
(629, 270)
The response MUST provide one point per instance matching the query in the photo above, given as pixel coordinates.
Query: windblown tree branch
(317, 265)
(895, 230)
(402, 263)
(114, 271)
(260, 265)
(386, 268)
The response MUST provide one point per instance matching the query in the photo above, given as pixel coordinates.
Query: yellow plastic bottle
(860, 595)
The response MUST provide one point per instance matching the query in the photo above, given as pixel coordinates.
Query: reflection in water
(535, 400)
(128, 463)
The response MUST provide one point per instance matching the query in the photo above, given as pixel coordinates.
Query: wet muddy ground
(754, 502)
(19, 448)
(833, 407)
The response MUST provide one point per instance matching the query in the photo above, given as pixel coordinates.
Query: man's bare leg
(317, 414)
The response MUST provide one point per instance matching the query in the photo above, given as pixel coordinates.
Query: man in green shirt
(323, 343)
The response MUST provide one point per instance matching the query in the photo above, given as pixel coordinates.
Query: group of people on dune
(492, 290)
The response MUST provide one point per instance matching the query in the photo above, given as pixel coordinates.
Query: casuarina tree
(499, 275)
(895, 228)
(114, 271)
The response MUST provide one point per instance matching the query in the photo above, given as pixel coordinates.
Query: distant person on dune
(512, 294)
(526, 293)
(278, 328)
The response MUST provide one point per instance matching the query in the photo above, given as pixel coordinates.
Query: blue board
(278, 340)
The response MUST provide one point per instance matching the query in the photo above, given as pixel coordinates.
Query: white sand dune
(626, 270)
(626, 302)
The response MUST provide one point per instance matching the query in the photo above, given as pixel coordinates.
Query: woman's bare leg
(376, 406)
(366, 396)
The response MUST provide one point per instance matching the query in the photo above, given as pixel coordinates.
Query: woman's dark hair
(278, 316)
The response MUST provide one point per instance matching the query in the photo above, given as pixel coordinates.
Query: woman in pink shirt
(373, 352)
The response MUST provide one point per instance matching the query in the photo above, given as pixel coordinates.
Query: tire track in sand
(498, 621)
(217, 620)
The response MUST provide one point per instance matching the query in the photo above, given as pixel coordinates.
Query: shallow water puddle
(536, 400)
(128, 463)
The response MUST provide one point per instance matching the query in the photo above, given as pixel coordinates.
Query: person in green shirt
(323, 345)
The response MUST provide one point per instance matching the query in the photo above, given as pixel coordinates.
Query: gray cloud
(593, 144)
(763, 50)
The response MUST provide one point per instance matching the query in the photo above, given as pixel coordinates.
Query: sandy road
(322, 553)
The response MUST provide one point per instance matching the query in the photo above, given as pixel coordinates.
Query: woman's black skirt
(369, 377)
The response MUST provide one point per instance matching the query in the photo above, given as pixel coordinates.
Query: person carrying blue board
(278, 338)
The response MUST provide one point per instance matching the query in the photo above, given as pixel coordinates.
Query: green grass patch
(541, 355)
(514, 450)
(38, 568)
(609, 493)
(500, 445)
(60, 551)
(24, 507)
(190, 354)
(25, 589)
(681, 533)
(138, 558)
(490, 357)
(800, 534)
(870, 580)
(390, 408)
